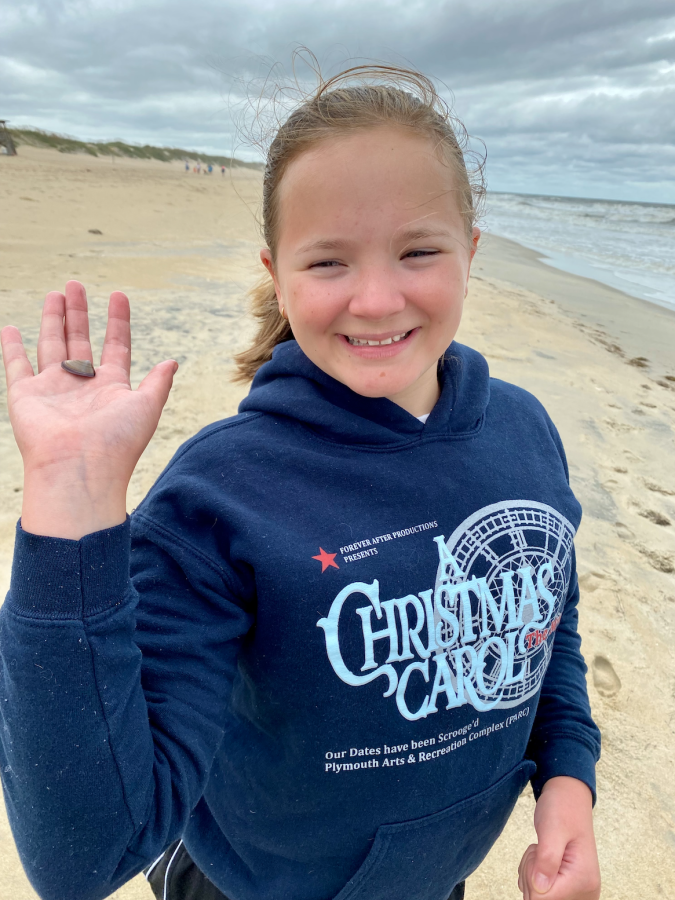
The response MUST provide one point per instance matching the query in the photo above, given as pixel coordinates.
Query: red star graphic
(326, 559)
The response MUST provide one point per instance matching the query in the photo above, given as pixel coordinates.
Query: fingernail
(541, 882)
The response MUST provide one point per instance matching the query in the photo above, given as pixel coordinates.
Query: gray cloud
(569, 96)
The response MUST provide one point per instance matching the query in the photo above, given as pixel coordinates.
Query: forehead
(384, 174)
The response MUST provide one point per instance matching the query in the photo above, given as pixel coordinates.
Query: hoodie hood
(290, 385)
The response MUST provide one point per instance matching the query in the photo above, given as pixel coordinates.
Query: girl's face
(373, 262)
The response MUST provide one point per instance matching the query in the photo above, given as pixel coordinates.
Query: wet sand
(185, 248)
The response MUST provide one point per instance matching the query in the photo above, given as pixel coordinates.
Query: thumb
(546, 864)
(157, 383)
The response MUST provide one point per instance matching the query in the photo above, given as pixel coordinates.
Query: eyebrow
(421, 232)
(407, 237)
(323, 244)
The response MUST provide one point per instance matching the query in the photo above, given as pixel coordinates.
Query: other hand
(563, 865)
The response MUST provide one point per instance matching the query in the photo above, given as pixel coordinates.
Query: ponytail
(273, 329)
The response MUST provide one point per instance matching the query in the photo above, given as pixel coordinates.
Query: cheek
(441, 296)
(314, 307)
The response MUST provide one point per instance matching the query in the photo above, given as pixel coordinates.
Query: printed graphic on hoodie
(482, 635)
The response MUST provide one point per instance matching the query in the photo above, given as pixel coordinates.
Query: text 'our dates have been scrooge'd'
(411, 752)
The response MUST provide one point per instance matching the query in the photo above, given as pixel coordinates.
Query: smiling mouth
(363, 342)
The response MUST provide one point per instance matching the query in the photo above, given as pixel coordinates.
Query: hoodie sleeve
(565, 740)
(110, 712)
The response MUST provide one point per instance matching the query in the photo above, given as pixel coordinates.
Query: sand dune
(185, 248)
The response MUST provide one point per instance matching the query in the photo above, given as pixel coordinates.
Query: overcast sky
(571, 97)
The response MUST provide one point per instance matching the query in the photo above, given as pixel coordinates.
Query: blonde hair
(382, 95)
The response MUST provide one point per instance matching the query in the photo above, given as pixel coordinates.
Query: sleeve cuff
(564, 756)
(55, 578)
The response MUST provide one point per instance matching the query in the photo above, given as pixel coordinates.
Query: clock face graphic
(509, 540)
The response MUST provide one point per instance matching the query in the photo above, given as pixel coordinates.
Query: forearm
(565, 740)
(98, 777)
(69, 607)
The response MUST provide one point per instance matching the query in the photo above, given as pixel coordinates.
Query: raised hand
(563, 865)
(80, 438)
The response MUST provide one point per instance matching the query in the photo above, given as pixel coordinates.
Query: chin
(371, 387)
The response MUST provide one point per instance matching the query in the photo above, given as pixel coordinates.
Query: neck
(420, 397)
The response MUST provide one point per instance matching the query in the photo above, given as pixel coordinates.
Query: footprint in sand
(591, 581)
(605, 679)
(659, 561)
(656, 517)
(652, 486)
(624, 531)
(620, 427)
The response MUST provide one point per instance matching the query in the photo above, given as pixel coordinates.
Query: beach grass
(35, 137)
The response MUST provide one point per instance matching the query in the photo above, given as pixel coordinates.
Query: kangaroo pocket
(424, 859)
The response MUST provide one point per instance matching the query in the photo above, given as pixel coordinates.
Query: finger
(17, 366)
(117, 343)
(77, 322)
(51, 346)
(157, 383)
(524, 869)
(546, 863)
(563, 889)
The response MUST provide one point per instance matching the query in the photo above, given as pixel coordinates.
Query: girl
(349, 637)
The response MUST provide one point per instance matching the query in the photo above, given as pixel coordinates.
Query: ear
(266, 259)
(475, 237)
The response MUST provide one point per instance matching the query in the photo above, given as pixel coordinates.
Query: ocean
(629, 246)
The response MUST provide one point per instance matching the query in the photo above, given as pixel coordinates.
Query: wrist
(70, 502)
(566, 785)
(568, 802)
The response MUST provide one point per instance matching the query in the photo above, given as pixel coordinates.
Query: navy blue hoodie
(348, 641)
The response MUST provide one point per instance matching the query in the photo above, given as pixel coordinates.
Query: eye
(325, 264)
(420, 254)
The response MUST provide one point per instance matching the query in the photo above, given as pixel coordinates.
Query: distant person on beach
(210, 169)
(222, 170)
(187, 166)
(328, 651)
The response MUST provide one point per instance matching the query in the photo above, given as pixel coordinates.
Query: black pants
(174, 876)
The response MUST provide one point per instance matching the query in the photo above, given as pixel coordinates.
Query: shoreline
(638, 328)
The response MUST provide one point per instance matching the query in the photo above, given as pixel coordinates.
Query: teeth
(357, 342)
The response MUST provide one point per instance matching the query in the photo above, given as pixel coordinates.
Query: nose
(376, 294)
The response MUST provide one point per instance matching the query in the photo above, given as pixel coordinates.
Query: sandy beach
(185, 248)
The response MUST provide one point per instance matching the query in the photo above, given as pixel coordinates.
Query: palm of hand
(58, 417)
(80, 438)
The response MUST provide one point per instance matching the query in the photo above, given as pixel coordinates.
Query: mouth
(369, 342)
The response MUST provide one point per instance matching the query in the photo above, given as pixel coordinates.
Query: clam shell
(79, 367)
